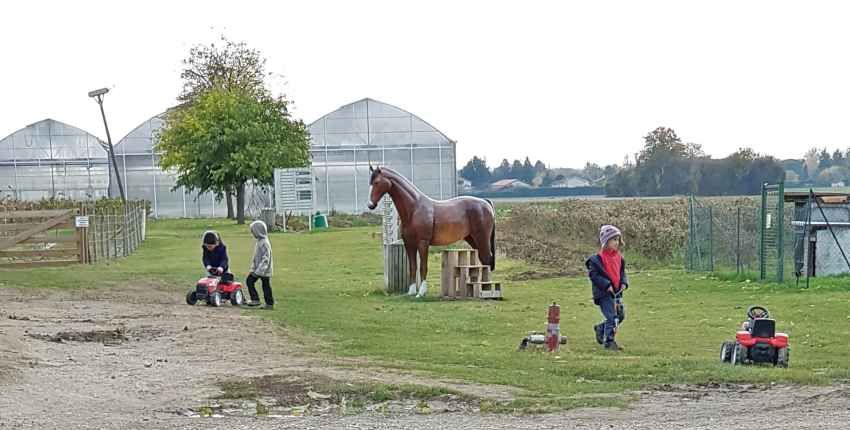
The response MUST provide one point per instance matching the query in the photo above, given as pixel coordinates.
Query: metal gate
(772, 232)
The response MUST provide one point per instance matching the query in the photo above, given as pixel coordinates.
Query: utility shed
(816, 250)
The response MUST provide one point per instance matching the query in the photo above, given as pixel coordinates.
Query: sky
(564, 82)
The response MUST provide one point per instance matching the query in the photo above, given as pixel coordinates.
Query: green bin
(320, 221)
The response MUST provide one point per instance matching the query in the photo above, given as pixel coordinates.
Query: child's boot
(600, 333)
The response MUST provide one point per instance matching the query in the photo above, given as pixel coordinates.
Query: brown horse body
(426, 222)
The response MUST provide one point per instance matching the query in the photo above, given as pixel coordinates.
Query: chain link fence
(723, 236)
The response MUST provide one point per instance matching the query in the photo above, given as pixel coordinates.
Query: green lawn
(328, 284)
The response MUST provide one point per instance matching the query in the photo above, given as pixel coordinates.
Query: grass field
(328, 286)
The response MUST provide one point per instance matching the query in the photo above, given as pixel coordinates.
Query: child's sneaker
(600, 333)
(269, 307)
(252, 303)
(612, 346)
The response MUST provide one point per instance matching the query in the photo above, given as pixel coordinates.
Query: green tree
(226, 64)
(503, 171)
(228, 137)
(476, 172)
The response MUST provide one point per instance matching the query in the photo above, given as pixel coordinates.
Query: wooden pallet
(462, 276)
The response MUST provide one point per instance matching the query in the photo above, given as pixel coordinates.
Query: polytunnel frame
(368, 147)
(52, 162)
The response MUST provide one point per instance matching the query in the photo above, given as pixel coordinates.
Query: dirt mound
(103, 336)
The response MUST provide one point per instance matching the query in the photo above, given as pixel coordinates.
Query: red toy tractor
(215, 289)
(757, 342)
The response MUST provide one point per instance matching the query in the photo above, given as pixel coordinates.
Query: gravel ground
(124, 360)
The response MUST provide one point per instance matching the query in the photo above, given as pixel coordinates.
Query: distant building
(571, 182)
(508, 184)
(464, 184)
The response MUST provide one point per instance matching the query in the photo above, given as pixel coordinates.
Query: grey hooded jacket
(261, 264)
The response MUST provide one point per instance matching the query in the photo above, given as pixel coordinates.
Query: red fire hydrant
(553, 329)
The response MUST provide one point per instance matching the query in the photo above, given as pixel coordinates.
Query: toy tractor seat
(763, 327)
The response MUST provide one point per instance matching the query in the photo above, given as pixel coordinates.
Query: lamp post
(98, 96)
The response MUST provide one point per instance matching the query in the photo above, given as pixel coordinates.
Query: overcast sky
(564, 82)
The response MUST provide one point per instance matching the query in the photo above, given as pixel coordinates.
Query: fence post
(762, 225)
(737, 239)
(710, 239)
(780, 224)
(690, 251)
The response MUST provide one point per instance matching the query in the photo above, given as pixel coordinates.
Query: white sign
(81, 222)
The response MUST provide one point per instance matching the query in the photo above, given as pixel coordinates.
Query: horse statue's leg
(411, 267)
(423, 268)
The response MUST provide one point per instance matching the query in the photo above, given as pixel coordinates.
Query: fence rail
(85, 234)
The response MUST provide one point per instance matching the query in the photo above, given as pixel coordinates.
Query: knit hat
(607, 232)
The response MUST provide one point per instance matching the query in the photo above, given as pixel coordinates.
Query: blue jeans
(612, 317)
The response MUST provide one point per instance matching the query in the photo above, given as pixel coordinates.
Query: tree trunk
(228, 197)
(240, 204)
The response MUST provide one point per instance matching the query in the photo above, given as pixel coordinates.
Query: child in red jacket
(607, 272)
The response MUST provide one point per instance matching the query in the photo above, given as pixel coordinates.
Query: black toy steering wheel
(753, 309)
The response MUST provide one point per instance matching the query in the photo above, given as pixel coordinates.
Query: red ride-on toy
(215, 289)
(757, 342)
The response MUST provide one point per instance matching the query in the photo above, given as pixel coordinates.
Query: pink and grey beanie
(607, 232)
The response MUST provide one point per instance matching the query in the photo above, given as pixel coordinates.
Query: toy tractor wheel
(237, 298)
(739, 354)
(191, 298)
(782, 357)
(214, 299)
(726, 351)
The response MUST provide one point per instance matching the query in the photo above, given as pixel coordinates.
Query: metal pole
(762, 232)
(780, 226)
(111, 150)
(806, 237)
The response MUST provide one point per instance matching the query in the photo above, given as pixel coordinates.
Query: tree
(476, 172)
(516, 170)
(539, 167)
(838, 158)
(811, 162)
(824, 160)
(503, 171)
(228, 65)
(592, 171)
(228, 137)
(528, 173)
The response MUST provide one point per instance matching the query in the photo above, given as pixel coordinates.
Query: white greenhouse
(52, 159)
(345, 141)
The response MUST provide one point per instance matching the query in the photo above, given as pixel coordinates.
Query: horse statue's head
(379, 184)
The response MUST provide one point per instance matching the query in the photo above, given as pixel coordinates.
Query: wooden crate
(463, 277)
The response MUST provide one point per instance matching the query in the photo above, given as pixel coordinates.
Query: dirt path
(130, 360)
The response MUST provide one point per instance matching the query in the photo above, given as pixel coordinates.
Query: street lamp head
(99, 92)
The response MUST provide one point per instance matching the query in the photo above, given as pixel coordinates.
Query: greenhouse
(51, 159)
(138, 165)
(345, 141)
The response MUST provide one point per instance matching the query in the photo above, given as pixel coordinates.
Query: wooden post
(463, 277)
(448, 283)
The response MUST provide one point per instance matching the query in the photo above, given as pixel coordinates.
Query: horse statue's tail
(493, 238)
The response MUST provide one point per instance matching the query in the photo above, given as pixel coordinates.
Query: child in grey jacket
(261, 266)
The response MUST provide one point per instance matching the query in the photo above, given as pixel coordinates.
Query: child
(261, 266)
(214, 256)
(607, 271)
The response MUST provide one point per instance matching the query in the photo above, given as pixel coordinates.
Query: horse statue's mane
(405, 183)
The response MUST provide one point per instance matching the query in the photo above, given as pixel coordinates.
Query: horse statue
(426, 222)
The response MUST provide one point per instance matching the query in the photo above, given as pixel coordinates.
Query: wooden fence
(111, 232)
(56, 237)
